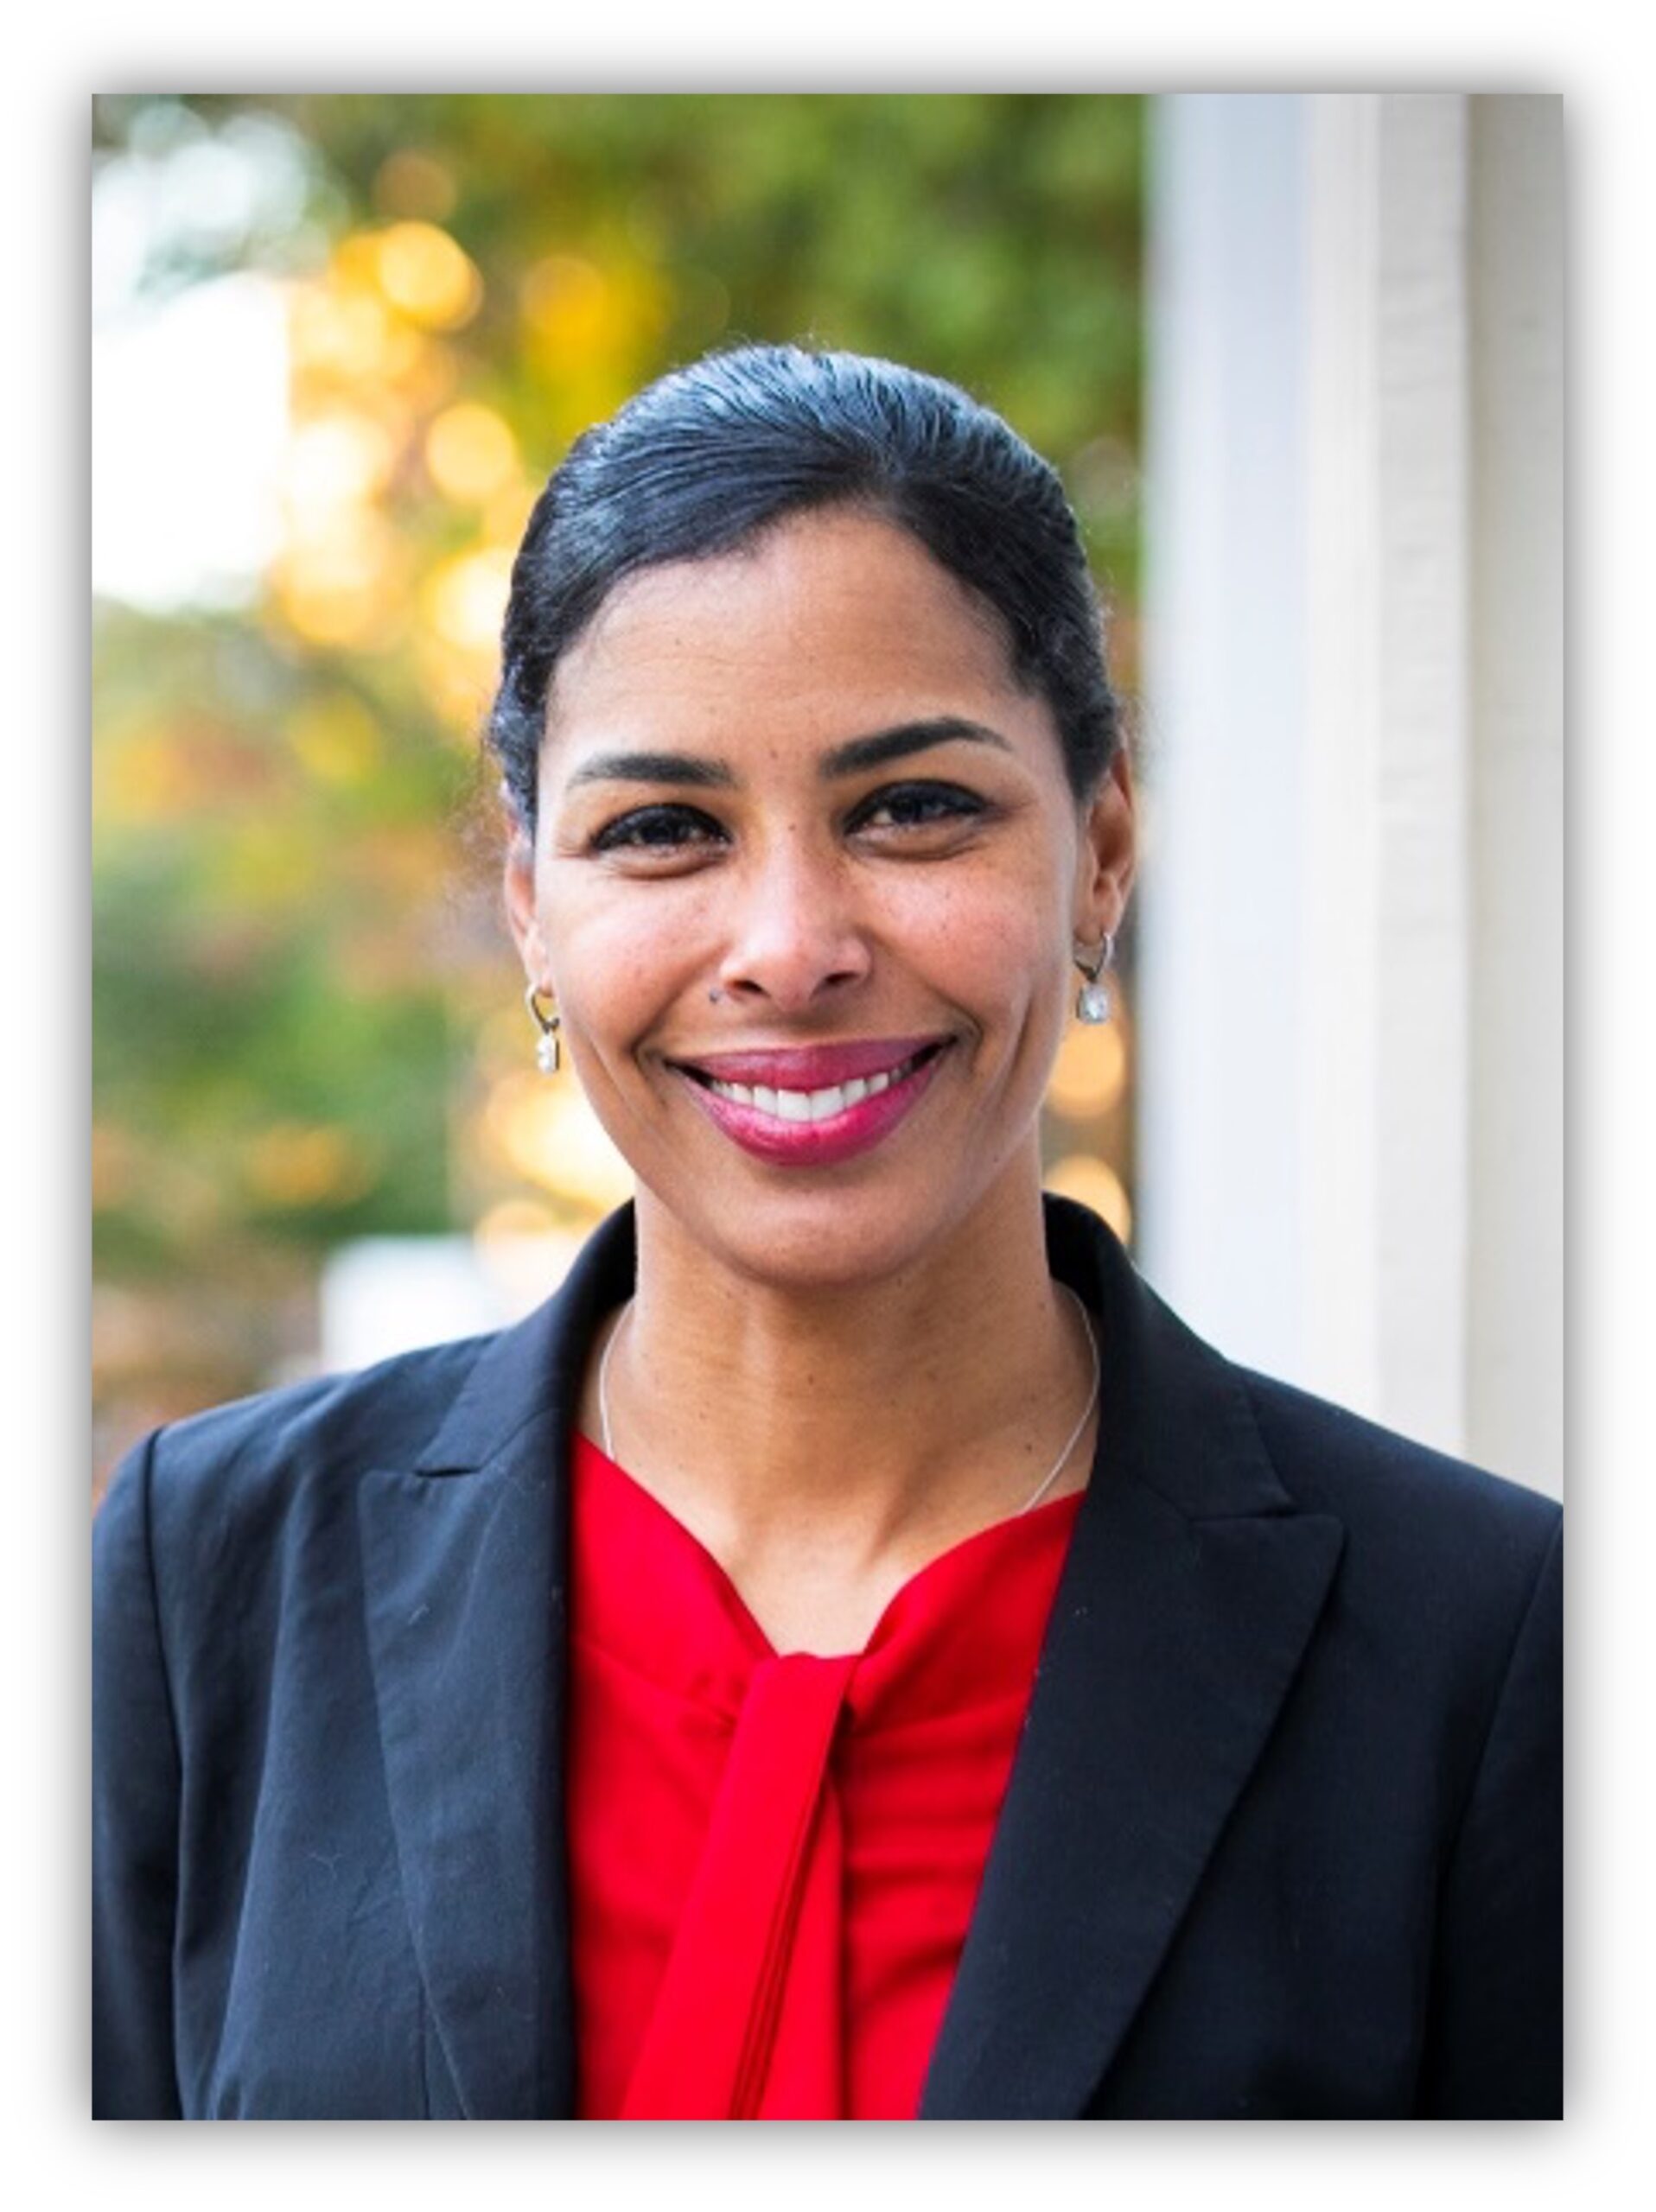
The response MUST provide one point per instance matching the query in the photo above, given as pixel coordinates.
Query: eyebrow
(652, 768)
(883, 744)
(857, 754)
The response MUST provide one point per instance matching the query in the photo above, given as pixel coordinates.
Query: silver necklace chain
(1029, 1504)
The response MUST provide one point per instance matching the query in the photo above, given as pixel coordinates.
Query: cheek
(995, 946)
(612, 970)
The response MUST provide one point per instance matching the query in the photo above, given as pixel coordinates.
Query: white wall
(1350, 1015)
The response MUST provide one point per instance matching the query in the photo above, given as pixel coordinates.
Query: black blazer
(1282, 1837)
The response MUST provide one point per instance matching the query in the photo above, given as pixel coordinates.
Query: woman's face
(802, 834)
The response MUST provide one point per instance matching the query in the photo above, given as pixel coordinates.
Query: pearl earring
(547, 1055)
(1092, 1001)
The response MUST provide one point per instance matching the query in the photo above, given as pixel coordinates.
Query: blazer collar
(1191, 1589)
(535, 1368)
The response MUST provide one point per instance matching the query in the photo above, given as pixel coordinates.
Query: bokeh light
(471, 454)
(1090, 1073)
(465, 600)
(427, 276)
(343, 586)
(547, 1134)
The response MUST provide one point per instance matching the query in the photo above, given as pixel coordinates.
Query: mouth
(819, 1102)
(792, 1124)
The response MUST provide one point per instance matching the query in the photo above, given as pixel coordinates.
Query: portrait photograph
(827, 1078)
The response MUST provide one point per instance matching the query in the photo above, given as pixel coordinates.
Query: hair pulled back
(709, 456)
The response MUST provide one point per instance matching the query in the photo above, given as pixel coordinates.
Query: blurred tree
(306, 1023)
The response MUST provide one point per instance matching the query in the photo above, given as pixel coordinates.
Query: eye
(917, 806)
(657, 829)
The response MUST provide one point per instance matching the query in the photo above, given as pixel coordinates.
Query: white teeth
(812, 1105)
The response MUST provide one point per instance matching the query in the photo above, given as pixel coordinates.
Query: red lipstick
(784, 1118)
(811, 1067)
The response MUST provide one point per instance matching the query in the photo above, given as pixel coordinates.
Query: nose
(794, 935)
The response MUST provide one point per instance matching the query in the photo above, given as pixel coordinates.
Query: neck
(870, 1425)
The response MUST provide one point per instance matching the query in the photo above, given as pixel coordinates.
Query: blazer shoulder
(267, 1449)
(1449, 1532)
(295, 1460)
(1317, 1444)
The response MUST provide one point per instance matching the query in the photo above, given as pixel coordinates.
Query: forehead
(819, 623)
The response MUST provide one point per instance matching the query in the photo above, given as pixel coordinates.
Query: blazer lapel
(466, 1573)
(1190, 1591)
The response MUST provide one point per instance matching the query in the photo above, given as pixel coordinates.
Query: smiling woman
(852, 1653)
(877, 865)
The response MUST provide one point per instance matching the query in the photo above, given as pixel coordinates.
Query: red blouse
(773, 1859)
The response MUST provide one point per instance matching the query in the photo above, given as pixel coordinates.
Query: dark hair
(709, 456)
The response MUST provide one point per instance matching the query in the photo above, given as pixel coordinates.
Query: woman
(638, 1713)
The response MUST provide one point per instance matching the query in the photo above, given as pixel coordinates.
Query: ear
(1108, 856)
(521, 909)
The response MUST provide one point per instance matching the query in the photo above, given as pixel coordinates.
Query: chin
(822, 1239)
(806, 1259)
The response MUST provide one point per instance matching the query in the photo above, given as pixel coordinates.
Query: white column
(1218, 1199)
(1515, 1378)
(1348, 1143)
(1386, 628)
